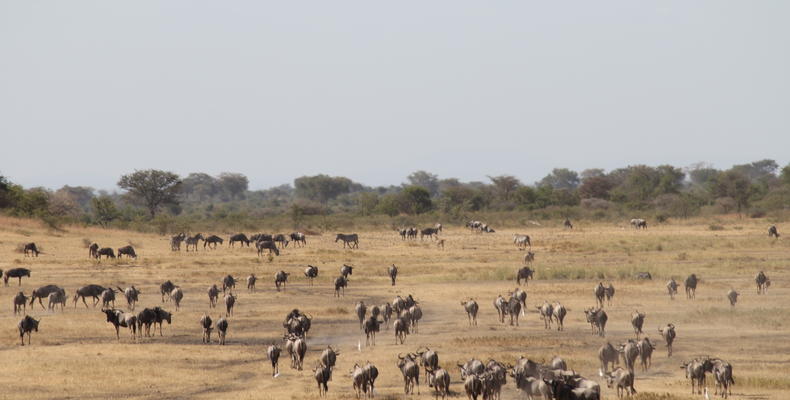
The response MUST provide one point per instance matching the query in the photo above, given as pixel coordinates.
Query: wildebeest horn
(399, 356)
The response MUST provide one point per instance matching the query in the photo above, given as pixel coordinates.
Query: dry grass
(75, 354)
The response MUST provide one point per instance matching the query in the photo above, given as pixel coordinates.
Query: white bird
(707, 397)
(359, 345)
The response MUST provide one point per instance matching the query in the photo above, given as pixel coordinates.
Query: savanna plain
(75, 354)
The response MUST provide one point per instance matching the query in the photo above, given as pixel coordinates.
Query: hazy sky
(374, 90)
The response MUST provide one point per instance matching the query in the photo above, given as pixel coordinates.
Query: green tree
(561, 178)
(367, 202)
(425, 179)
(199, 186)
(505, 186)
(321, 188)
(153, 188)
(104, 210)
(596, 187)
(735, 185)
(786, 175)
(233, 183)
(415, 200)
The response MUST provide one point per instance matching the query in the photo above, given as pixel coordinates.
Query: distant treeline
(164, 201)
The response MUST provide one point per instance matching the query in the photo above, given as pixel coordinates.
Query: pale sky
(90, 90)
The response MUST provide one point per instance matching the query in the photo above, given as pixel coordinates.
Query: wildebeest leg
(117, 333)
(39, 302)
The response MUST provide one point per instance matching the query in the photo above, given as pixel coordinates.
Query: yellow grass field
(75, 354)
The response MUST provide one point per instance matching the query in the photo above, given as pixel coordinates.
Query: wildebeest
(175, 241)
(401, 327)
(398, 304)
(118, 318)
(668, 333)
(637, 320)
(386, 314)
(346, 270)
(522, 241)
(639, 223)
(372, 326)
(92, 250)
(361, 309)
(607, 354)
(20, 303)
(297, 323)
(161, 316)
(280, 280)
(212, 241)
(44, 292)
(55, 299)
(645, 348)
(471, 367)
(522, 298)
(529, 258)
(281, 240)
(546, 314)
(621, 379)
(251, 282)
(761, 280)
(340, 283)
(393, 273)
(205, 323)
(296, 348)
(131, 294)
(695, 371)
(127, 251)
(230, 301)
(145, 319)
(261, 237)
(222, 329)
(213, 295)
(773, 232)
(351, 240)
(239, 237)
(629, 351)
(322, 376)
(107, 297)
(430, 232)
(732, 296)
(311, 273)
(107, 252)
(531, 386)
(16, 273)
(524, 273)
(645, 276)
(473, 386)
(228, 283)
(329, 357)
(26, 326)
(267, 245)
(500, 304)
(31, 249)
(513, 309)
(411, 373)
(415, 313)
(471, 309)
(428, 359)
(559, 313)
(609, 291)
(359, 380)
(93, 291)
(177, 294)
(298, 238)
(722, 373)
(691, 286)
(371, 374)
(439, 378)
(273, 352)
(600, 294)
(567, 224)
(166, 288)
(597, 319)
(672, 288)
(192, 241)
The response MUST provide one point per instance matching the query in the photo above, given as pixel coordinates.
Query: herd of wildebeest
(552, 380)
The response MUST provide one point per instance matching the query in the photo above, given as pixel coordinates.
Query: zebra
(175, 241)
(351, 240)
(193, 241)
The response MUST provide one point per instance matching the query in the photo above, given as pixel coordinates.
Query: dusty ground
(75, 353)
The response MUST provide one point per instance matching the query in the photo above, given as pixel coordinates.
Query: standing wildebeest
(430, 232)
(609, 291)
(230, 301)
(668, 333)
(621, 379)
(298, 238)
(31, 249)
(107, 297)
(88, 291)
(56, 298)
(411, 373)
(500, 304)
(637, 320)
(473, 386)
(546, 313)
(415, 313)
(401, 326)
(630, 352)
(732, 296)
(645, 352)
(471, 309)
(522, 241)
(213, 295)
(166, 288)
(361, 309)
(20, 303)
(228, 283)
(26, 326)
(311, 273)
(175, 241)
(597, 319)
(205, 323)
(359, 380)
(639, 223)
(722, 373)
(524, 273)
(567, 224)
(346, 270)
(695, 371)
(212, 241)
(513, 309)
(251, 282)
(92, 250)
(428, 359)
(439, 378)
(132, 294)
(267, 245)
(145, 319)
(691, 286)
(107, 252)
(16, 273)
(559, 312)
(607, 354)
(529, 258)
(239, 237)
(340, 283)
(177, 294)
(322, 376)
(118, 318)
(773, 232)
(762, 281)
(351, 240)
(193, 241)
(600, 294)
(297, 323)
(273, 352)
(281, 240)
(222, 329)
(372, 326)
(672, 288)
(280, 279)
(160, 316)
(296, 348)
(329, 357)
(44, 292)
(386, 314)
(127, 251)
(393, 273)
(522, 298)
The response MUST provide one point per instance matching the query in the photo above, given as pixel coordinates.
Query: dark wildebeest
(361, 310)
(118, 318)
(92, 250)
(609, 291)
(213, 295)
(166, 288)
(20, 303)
(393, 273)
(340, 283)
(352, 240)
(322, 375)
(43, 292)
(281, 240)
(145, 319)
(559, 312)
(107, 297)
(280, 279)
(761, 280)
(430, 232)
(16, 273)
(251, 282)
(600, 294)
(629, 351)
(205, 323)
(401, 326)
(107, 252)
(273, 352)
(88, 291)
(192, 241)
(732, 296)
(230, 301)
(722, 372)
(26, 326)
(529, 258)
(372, 326)
(471, 309)
(228, 283)
(267, 245)
(175, 241)
(132, 294)
(311, 273)
(524, 273)
(31, 249)
(239, 237)
(501, 307)
(161, 316)
(411, 373)
(298, 238)
(359, 381)
(346, 270)
(222, 329)
(428, 359)
(691, 286)
(329, 357)
(695, 371)
(567, 224)
(607, 354)
(668, 333)
(637, 320)
(212, 241)
(773, 232)
(127, 251)
(672, 288)
(645, 352)
(597, 319)
(513, 309)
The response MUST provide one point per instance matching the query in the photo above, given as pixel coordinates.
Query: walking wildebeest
(20, 303)
(281, 240)
(26, 326)
(401, 326)
(251, 282)
(529, 258)
(567, 224)
(695, 371)
(88, 291)
(372, 326)
(346, 270)
(411, 373)
(691, 286)
(340, 283)
(228, 283)
(205, 323)
(597, 319)
(222, 329)
(609, 291)
(107, 252)
(393, 273)
(16, 273)
(311, 273)
(175, 241)
(600, 294)
(621, 379)
(267, 245)
(637, 320)
(118, 318)
(322, 375)
(645, 352)
(471, 309)
(107, 297)
(559, 313)
(230, 301)
(92, 250)
(213, 295)
(127, 251)
(672, 288)
(773, 232)
(351, 240)
(430, 232)
(239, 237)
(42, 293)
(761, 280)
(607, 354)
(212, 241)
(132, 294)
(524, 273)
(56, 298)
(668, 333)
(361, 309)
(546, 314)
(732, 296)
(298, 238)
(31, 249)
(177, 294)
(273, 352)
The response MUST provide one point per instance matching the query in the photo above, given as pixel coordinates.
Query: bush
(715, 227)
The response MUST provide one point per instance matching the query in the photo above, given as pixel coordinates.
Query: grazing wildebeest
(567, 224)
(597, 319)
(411, 373)
(639, 223)
(393, 273)
(559, 313)
(645, 352)
(311, 273)
(192, 241)
(177, 294)
(346, 270)
(230, 301)
(691, 286)
(471, 309)
(351, 240)
(298, 238)
(43, 292)
(637, 320)
(205, 323)
(127, 251)
(415, 313)
(439, 378)
(340, 283)
(609, 291)
(607, 354)
(773, 232)
(213, 295)
(401, 326)
(175, 241)
(118, 318)
(430, 232)
(629, 351)
(524, 273)
(251, 282)
(281, 240)
(761, 280)
(222, 329)
(20, 303)
(26, 326)
(166, 288)
(695, 371)
(280, 279)
(107, 297)
(239, 237)
(600, 294)
(31, 249)
(273, 352)
(92, 250)
(668, 333)
(372, 326)
(228, 283)
(522, 241)
(672, 288)
(621, 379)
(88, 291)
(529, 258)
(361, 309)
(212, 241)
(267, 245)
(322, 376)
(546, 314)
(732, 296)
(16, 273)
(500, 304)
(107, 252)
(56, 298)
(131, 294)
(261, 237)
(722, 373)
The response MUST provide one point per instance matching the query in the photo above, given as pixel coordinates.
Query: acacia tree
(153, 188)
